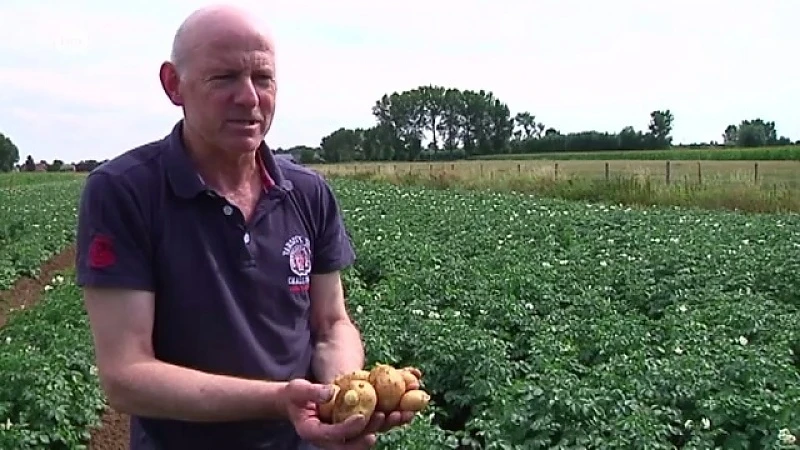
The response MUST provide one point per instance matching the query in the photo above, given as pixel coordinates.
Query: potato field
(538, 323)
(37, 221)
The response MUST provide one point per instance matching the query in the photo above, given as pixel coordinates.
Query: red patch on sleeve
(101, 252)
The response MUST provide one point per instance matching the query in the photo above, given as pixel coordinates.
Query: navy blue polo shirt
(231, 297)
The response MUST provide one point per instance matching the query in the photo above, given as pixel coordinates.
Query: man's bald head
(216, 26)
(223, 77)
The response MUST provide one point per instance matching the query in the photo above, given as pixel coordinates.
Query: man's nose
(246, 93)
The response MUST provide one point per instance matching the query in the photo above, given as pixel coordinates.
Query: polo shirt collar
(187, 183)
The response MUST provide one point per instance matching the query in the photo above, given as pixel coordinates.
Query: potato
(415, 400)
(344, 380)
(384, 388)
(389, 385)
(326, 409)
(412, 382)
(413, 371)
(357, 397)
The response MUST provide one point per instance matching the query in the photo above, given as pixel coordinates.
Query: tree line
(439, 123)
(9, 159)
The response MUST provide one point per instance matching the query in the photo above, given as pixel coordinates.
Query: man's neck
(228, 175)
(224, 173)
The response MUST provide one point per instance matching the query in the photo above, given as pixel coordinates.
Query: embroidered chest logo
(298, 250)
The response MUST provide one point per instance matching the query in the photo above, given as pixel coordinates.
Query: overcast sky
(79, 79)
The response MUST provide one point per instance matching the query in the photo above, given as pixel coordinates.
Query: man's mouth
(245, 122)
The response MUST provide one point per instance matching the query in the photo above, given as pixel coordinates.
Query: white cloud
(89, 70)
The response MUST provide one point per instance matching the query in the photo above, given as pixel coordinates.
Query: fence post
(755, 174)
(555, 172)
(668, 173)
(699, 173)
(607, 171)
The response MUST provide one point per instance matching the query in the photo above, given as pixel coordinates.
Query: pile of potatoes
(384, 389)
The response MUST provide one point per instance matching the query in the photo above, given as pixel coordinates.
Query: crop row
(50, 395)
(16, 179)
(538, 324)
(37, 221)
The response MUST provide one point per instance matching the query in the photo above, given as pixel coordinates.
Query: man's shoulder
(135, 168)
(303, 179)
(132, 180)
(134, 161)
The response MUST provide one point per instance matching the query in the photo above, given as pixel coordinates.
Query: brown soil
(113, 434)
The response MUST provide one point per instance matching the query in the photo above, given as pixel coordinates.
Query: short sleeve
(113, 241)
(333, 249)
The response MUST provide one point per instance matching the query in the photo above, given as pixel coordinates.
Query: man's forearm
(340, 351)
(160, 390)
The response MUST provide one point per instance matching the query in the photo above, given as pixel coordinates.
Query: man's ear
(170, 82)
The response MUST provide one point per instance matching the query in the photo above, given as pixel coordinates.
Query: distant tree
(9, 154)
(526, 127)
(87, 165)
(30, 164)
(661, 127)
(307, 155)
(754, 133)
(302, 154)
(731, 135)
(341, 145)
(55, 166)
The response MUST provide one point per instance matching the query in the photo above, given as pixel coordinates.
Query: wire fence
(786, 173)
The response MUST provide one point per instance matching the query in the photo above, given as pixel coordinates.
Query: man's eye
(263, 80)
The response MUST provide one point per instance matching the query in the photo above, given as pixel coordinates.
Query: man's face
(228, 92)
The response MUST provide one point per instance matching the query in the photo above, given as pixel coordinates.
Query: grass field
(539, 323)
(787, 153)
(757, 186)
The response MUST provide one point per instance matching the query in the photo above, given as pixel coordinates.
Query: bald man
(211, 269)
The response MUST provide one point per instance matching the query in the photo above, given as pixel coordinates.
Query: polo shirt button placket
(228, 211)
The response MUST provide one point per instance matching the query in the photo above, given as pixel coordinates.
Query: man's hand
(381, 423)
(302, 400)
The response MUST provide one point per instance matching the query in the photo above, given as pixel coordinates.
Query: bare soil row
(26, 292)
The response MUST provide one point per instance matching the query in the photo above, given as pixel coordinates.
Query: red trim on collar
(265, 178)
